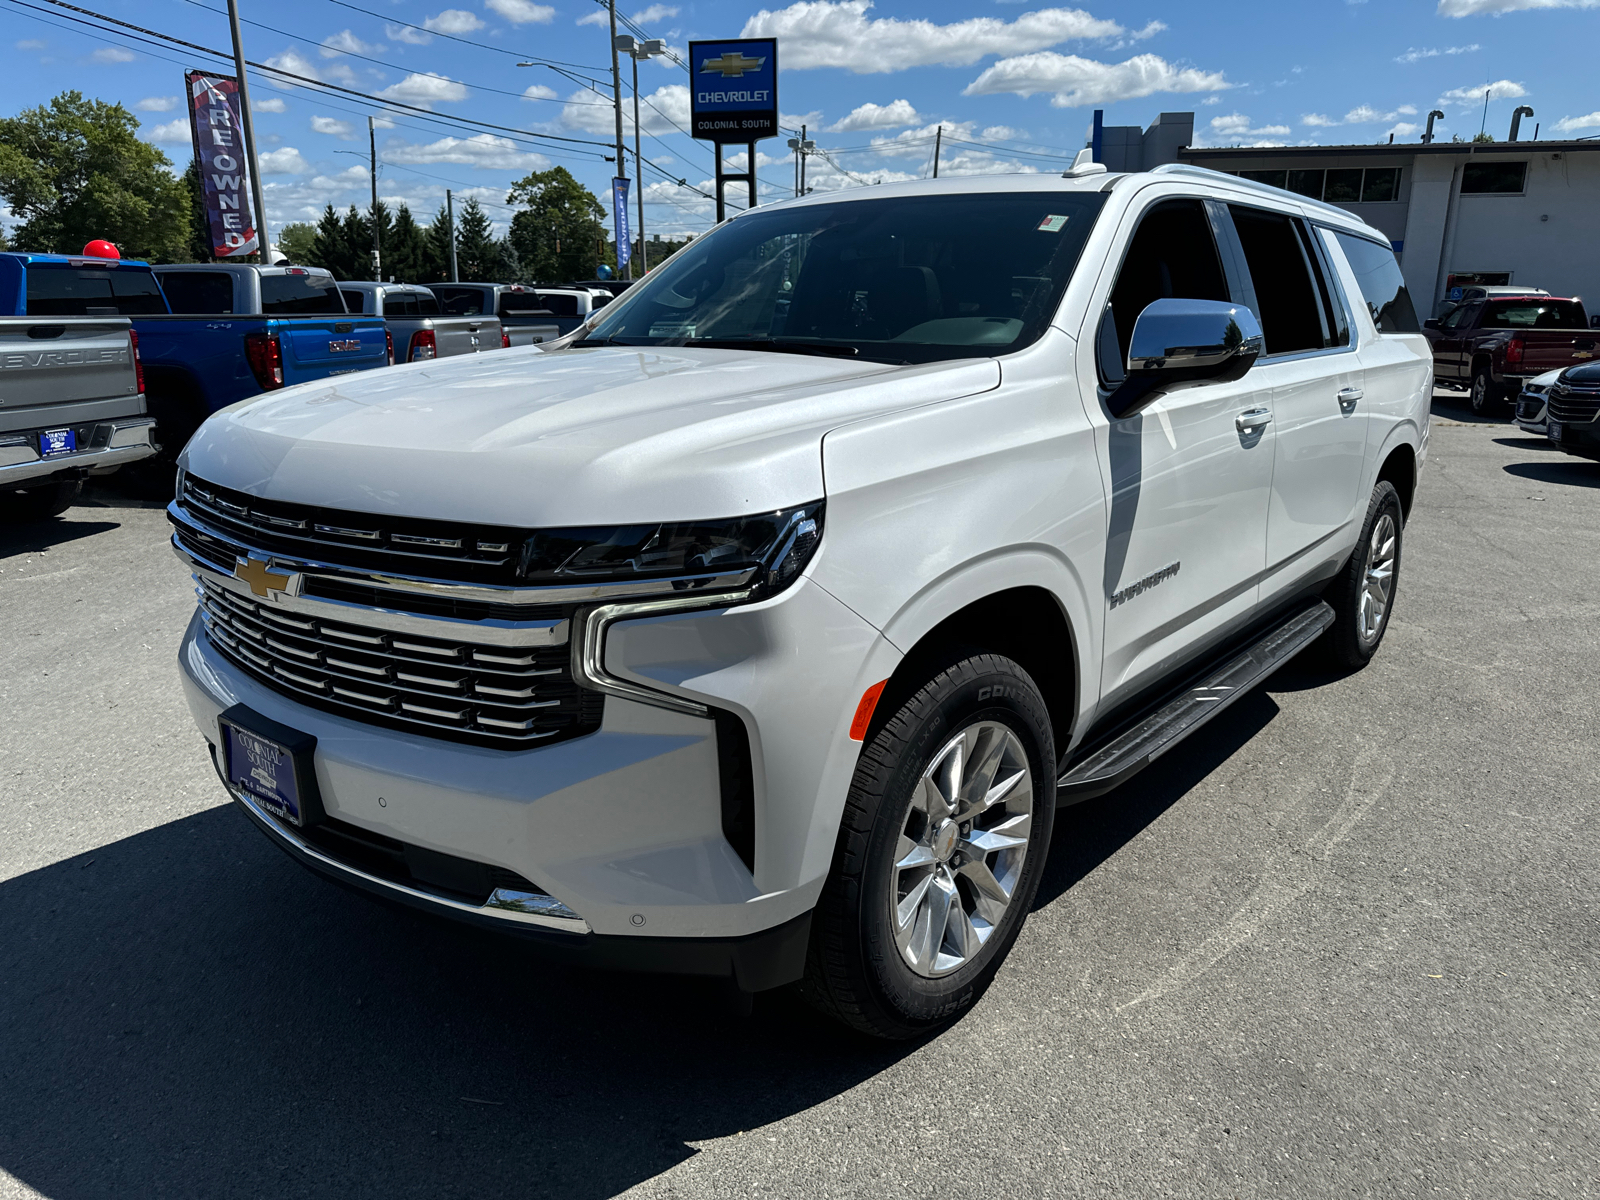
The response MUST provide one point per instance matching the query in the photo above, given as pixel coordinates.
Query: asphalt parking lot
(1347, 943)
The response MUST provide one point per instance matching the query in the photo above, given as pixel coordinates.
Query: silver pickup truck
(526, 321)
(71, 405)
(418, 327)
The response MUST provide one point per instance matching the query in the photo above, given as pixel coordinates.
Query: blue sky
(1012, 83)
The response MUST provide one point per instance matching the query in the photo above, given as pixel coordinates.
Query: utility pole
(377, 242)
(616, 98)
(450, 222)
(803, 153)
(249, 131)
(938, 140)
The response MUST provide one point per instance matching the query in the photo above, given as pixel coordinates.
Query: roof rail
(1240, 181)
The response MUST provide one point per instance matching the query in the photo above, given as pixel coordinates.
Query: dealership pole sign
(733, 98)
(222, 162)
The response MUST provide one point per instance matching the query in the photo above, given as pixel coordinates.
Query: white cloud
(31, 44)
(157, 104)
(1573, 124)
(273, 104)
(1000, 133)
(295, 63)
(1403, 129)
(587, 112)
(656, 12)
(1365, 114)
(1076, 81)
(598, 17)
(171, 132)
(453, 20)
(409, 34)
(480, 150)
(838, 33)
(113, 54)
(286, 161)
(877, 116)
(333, 127)
(424, 89)
(344, 42)
(1500, 89)
(1415, 55)
(1235, 129)
(1476, 8)
(1317, 121)
(522, 12)
(538, 91)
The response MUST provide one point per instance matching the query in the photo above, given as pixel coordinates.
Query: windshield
(901, 279)
(1533, 314)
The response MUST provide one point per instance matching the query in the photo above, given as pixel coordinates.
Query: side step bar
(1133, 751)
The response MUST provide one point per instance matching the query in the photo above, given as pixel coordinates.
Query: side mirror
(1178, 341)
(1432, 323)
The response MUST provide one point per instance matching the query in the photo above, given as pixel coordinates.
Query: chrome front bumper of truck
(113, 444)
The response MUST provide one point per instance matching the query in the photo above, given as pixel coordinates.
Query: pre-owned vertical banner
(619, 208)
(224, 167)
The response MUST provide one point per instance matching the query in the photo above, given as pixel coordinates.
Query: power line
(388, 20)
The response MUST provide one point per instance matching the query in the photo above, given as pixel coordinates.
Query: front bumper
(1581, 441)
(110, 444)
(1531, 409)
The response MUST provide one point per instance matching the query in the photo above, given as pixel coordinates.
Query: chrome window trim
(485, 593)
(589, 647)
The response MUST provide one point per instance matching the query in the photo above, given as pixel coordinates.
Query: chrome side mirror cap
(1178, 341)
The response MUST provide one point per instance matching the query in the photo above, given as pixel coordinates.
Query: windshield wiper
(776, 345)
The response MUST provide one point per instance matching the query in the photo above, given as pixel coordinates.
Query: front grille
(412, 866)
(1574, 407)
(506, 697)
(444, 550)
(1529, 407)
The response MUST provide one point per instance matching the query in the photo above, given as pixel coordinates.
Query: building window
(1270, 178)
(1380, 184)
(1343, 187)
(1306, 183)
(1493, 178)
(1347, 185)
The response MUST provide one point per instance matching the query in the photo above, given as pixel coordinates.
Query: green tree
(559, 232)
(199, 248)
(297, 242)
(438, 246)
(478, 254)
(75, 170)
(405, 252)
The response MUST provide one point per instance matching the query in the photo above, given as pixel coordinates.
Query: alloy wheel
(1378, 578)
(961, 849)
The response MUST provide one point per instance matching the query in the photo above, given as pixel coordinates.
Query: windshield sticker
(1054, 223)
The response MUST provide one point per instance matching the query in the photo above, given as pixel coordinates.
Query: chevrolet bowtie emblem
(732, 65)
(262, 580)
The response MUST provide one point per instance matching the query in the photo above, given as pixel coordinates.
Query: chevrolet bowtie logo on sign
(261, 579)
(732, 65)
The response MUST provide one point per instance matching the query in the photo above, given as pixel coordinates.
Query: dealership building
(1520, 213)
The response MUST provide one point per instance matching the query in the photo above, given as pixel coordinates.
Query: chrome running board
(1134, 750)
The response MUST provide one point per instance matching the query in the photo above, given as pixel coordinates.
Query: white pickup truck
(758, 628)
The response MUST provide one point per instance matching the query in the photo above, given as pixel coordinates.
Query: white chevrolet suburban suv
(758, 628)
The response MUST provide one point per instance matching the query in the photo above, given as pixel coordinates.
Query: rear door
(1319, 451)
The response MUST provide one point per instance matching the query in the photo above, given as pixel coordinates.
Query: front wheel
(1363, 594)
(940, 851)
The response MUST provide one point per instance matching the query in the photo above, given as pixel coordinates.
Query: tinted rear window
(1533, 314)
(287, 295)
(427, 306)
(62, 291)
(399, 304)
(560, 306)
(1382, 285)
(208, 292)
(460, 301)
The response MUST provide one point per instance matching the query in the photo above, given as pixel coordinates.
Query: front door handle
(1348, 397)
(1254, 419)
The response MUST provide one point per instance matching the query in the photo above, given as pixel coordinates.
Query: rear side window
(354, 301)
(92, 292)
(291, 295)
(1288, 304)
(559, 306)
(1382, 285)
(1533, 314)
(460, 301)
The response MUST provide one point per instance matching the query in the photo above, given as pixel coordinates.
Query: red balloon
(100, 248)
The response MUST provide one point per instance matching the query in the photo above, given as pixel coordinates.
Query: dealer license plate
(265, 769)
(1553, 430)
(54, 442)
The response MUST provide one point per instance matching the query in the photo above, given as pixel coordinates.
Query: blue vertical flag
(619, 210)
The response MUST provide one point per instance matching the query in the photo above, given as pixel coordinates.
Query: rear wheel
(1363, 594)
(939, 854)
(1485, 394)
(39, 503)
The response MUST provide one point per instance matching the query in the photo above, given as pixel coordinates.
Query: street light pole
(638, 167)
(616, 98)
(377, 244)
(249, 131)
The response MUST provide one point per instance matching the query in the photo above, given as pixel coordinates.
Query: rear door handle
(1348, 397)
(1255, 418)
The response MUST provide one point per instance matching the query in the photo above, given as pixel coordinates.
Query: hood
(587, 436)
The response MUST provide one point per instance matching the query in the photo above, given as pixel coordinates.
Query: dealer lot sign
(734, 96)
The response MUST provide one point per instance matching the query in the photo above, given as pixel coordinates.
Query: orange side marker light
(869, 701)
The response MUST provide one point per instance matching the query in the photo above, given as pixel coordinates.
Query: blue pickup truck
(210, 334)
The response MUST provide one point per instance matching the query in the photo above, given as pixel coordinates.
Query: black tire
(42, 502)
(855, 971)
(1484, 394)
(1352, 640)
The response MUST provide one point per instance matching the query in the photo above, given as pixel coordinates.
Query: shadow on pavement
(1570, 472)
(30, 537)
(187, 1013)
(1531, 442)
(1455, 406)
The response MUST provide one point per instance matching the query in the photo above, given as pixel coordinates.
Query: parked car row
(1564, 406)
(1493, 345)
(199, 337)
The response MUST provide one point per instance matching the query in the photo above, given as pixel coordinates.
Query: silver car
(1531, 402)
(418, 328)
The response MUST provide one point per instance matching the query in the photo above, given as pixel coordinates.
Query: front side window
(294, 294)
(1533, 314)
(900, 279)
(1289, 305)
(354, 301)
(1382, 286)
(63, 291)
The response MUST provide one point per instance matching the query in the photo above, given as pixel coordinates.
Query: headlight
(773, 548)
